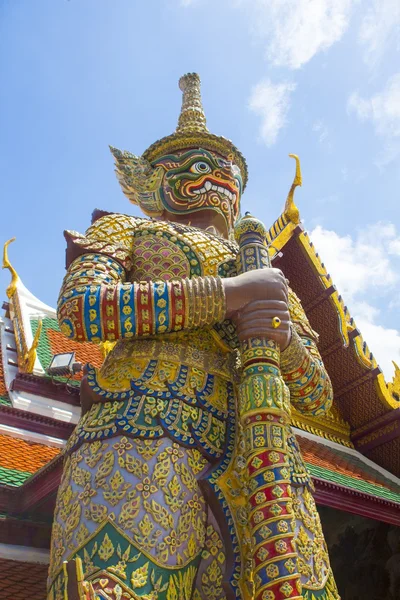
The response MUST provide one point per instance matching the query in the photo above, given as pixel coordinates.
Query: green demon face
(200, 180)
(182, 183)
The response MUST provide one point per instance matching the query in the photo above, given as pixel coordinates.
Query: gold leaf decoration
(139, 576)
(106, 549)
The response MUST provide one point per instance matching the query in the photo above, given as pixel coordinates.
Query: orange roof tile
(22, 580)
(85, 352)
(24, 456)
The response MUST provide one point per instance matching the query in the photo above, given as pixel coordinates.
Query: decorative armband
(305, 375)
(294, 357)
(95, 306)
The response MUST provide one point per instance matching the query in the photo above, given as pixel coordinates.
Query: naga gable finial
(394, 386)
(30, 357)
(291, 211)
(10, 291)
(192, 117)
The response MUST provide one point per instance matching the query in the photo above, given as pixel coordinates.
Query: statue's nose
(223, 173)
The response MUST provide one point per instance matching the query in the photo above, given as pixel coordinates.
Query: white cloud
(357, 265)
(383, 111)
(394, 247)
(321, 129)
(383, 342)
(323, 200)
(271, 102)
(388, 154)
(294, 31)
(364, 267)
(379, 27)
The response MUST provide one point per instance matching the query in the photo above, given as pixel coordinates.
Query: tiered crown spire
(192, 131)
(192, 117)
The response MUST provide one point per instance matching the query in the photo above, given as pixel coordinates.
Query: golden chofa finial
(30, 356)
(291, 211)
(192, 117)
(10, 291)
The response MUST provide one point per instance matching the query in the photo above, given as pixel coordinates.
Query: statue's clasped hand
(258, 319)
(257, 302)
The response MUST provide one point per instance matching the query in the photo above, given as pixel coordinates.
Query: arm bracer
(97, 304)
(302, 367)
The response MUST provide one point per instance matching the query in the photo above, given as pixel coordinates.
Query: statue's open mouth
(215, 185)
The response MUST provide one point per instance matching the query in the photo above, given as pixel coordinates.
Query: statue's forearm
(305, 375)
(96, 304)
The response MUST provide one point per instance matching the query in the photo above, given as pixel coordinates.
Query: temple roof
(348, 469)
(4, 398)
(52, 341)
(19, 459)
(22, 580)
(362, 398)
(30, 336)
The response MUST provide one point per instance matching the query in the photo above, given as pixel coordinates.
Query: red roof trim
(35, 534)
(25, 498)
(14, 417)
(358, 503)
(34, 384)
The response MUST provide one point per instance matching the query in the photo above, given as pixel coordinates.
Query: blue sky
(319, 78)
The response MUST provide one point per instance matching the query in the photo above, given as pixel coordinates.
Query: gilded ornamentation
(291, 211)
(26, 355)
(394, 386)
(184, 452)
(30, 356)
(7, 265)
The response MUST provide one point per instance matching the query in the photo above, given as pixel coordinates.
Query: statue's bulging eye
(235, 171)
(200, 167)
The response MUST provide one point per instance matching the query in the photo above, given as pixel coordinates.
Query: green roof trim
(356, 484)
(5, 401)
(13, 477)
(43, 350)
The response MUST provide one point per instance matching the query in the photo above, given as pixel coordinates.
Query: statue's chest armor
(168, 251)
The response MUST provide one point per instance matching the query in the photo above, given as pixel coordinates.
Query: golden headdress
(192, 131)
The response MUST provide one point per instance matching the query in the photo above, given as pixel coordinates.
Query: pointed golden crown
(192, 131)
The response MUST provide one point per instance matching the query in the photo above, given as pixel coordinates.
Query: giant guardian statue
(183, 479)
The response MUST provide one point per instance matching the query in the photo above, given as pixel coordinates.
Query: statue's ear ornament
(140, 182)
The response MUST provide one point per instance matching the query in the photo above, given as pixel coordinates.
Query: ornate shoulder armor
(119, 228)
